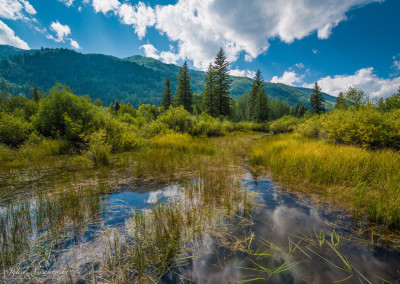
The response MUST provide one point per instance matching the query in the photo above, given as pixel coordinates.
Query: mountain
(135, 79)
(7, 50)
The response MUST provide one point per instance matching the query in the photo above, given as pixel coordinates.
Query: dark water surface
(296, 240)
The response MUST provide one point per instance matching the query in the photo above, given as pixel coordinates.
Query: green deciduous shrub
(98, 149)
(14, 130)
(285, 124)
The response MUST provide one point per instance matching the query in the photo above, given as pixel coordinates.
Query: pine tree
(184, 90)
(317, 100)
(258, 81)
(35, 94)
(221, 66)
(166, 95)
(117, 106)
(261, 105)
(302, 111)
(210, 102)
(340, 102)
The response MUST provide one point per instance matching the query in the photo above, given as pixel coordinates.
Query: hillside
(135, 79)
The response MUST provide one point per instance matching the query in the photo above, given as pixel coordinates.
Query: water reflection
(290, 230)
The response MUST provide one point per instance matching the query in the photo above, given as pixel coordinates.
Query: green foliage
(390, 103)
(184, 89)
(98, 149)
(166, 100)
(13, 130)
(261, 106)
(210, 99)
(222, 84)
(285, 124)
(253, 98)
(317, 100)
(366, 127)
(341, 102)
(355, 96)
(278, 109)
(65, 115)
(208, 126)
(177, 119)
(311, 128)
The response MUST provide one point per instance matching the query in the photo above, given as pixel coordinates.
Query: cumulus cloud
(289, 78)
(62, 31)
(7, 36)
(68, 3)
(364, 78)
(74, 44)
(15, 9)
(167, 57)
(200, 27)
(139, 16)
(150, 51)
(243, 73)
(105, 6)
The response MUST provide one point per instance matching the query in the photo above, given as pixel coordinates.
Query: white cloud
(74, 44)
(62, 31)
(364, 78)
(15, 9)
(396, 63)
(167, 57)
(139, 16)
(200, 27)
(299, 65)
(243, 73)
(315, 51)
(105, 6)
(289, 78)
(7, 36)
(68, 3)
(150, 51)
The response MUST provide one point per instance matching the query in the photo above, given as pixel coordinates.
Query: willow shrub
(366, 127)
(284, 124)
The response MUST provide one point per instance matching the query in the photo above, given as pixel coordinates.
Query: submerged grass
(367, 180)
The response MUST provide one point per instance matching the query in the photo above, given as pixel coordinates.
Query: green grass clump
(369, 180)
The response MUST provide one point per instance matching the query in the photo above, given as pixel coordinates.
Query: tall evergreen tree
(184, 90)
(210, 102)
(317, 100)
(35, 94)
(117, 106)
(261, 105)
(258, 81)
(340, 101)
(223, 81)
(166, 95)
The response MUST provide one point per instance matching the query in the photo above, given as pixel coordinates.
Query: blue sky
(297, 42)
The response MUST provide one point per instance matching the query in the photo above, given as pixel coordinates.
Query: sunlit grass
(368, 180)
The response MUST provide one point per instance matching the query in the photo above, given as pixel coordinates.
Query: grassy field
(366, 180)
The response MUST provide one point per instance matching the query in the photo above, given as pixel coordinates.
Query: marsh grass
(369, 181)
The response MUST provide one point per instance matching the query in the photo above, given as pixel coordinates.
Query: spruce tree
(340, 102)
(258, 81)
(261, 105)
(184, 90)
(117, 106)
(35, 95)
(317, 100)
(221, 66)
(166, 95)
(210, 102)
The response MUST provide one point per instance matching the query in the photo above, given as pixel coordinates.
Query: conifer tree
(261, 105)
(184, 90)
(258, 81)
(35, 93)
(117, 106)
(221, 66)
(340, 102)
(317, 100)
(210, 102)
(167, 95)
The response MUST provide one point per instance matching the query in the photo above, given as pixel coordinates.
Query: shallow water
(290, 222)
